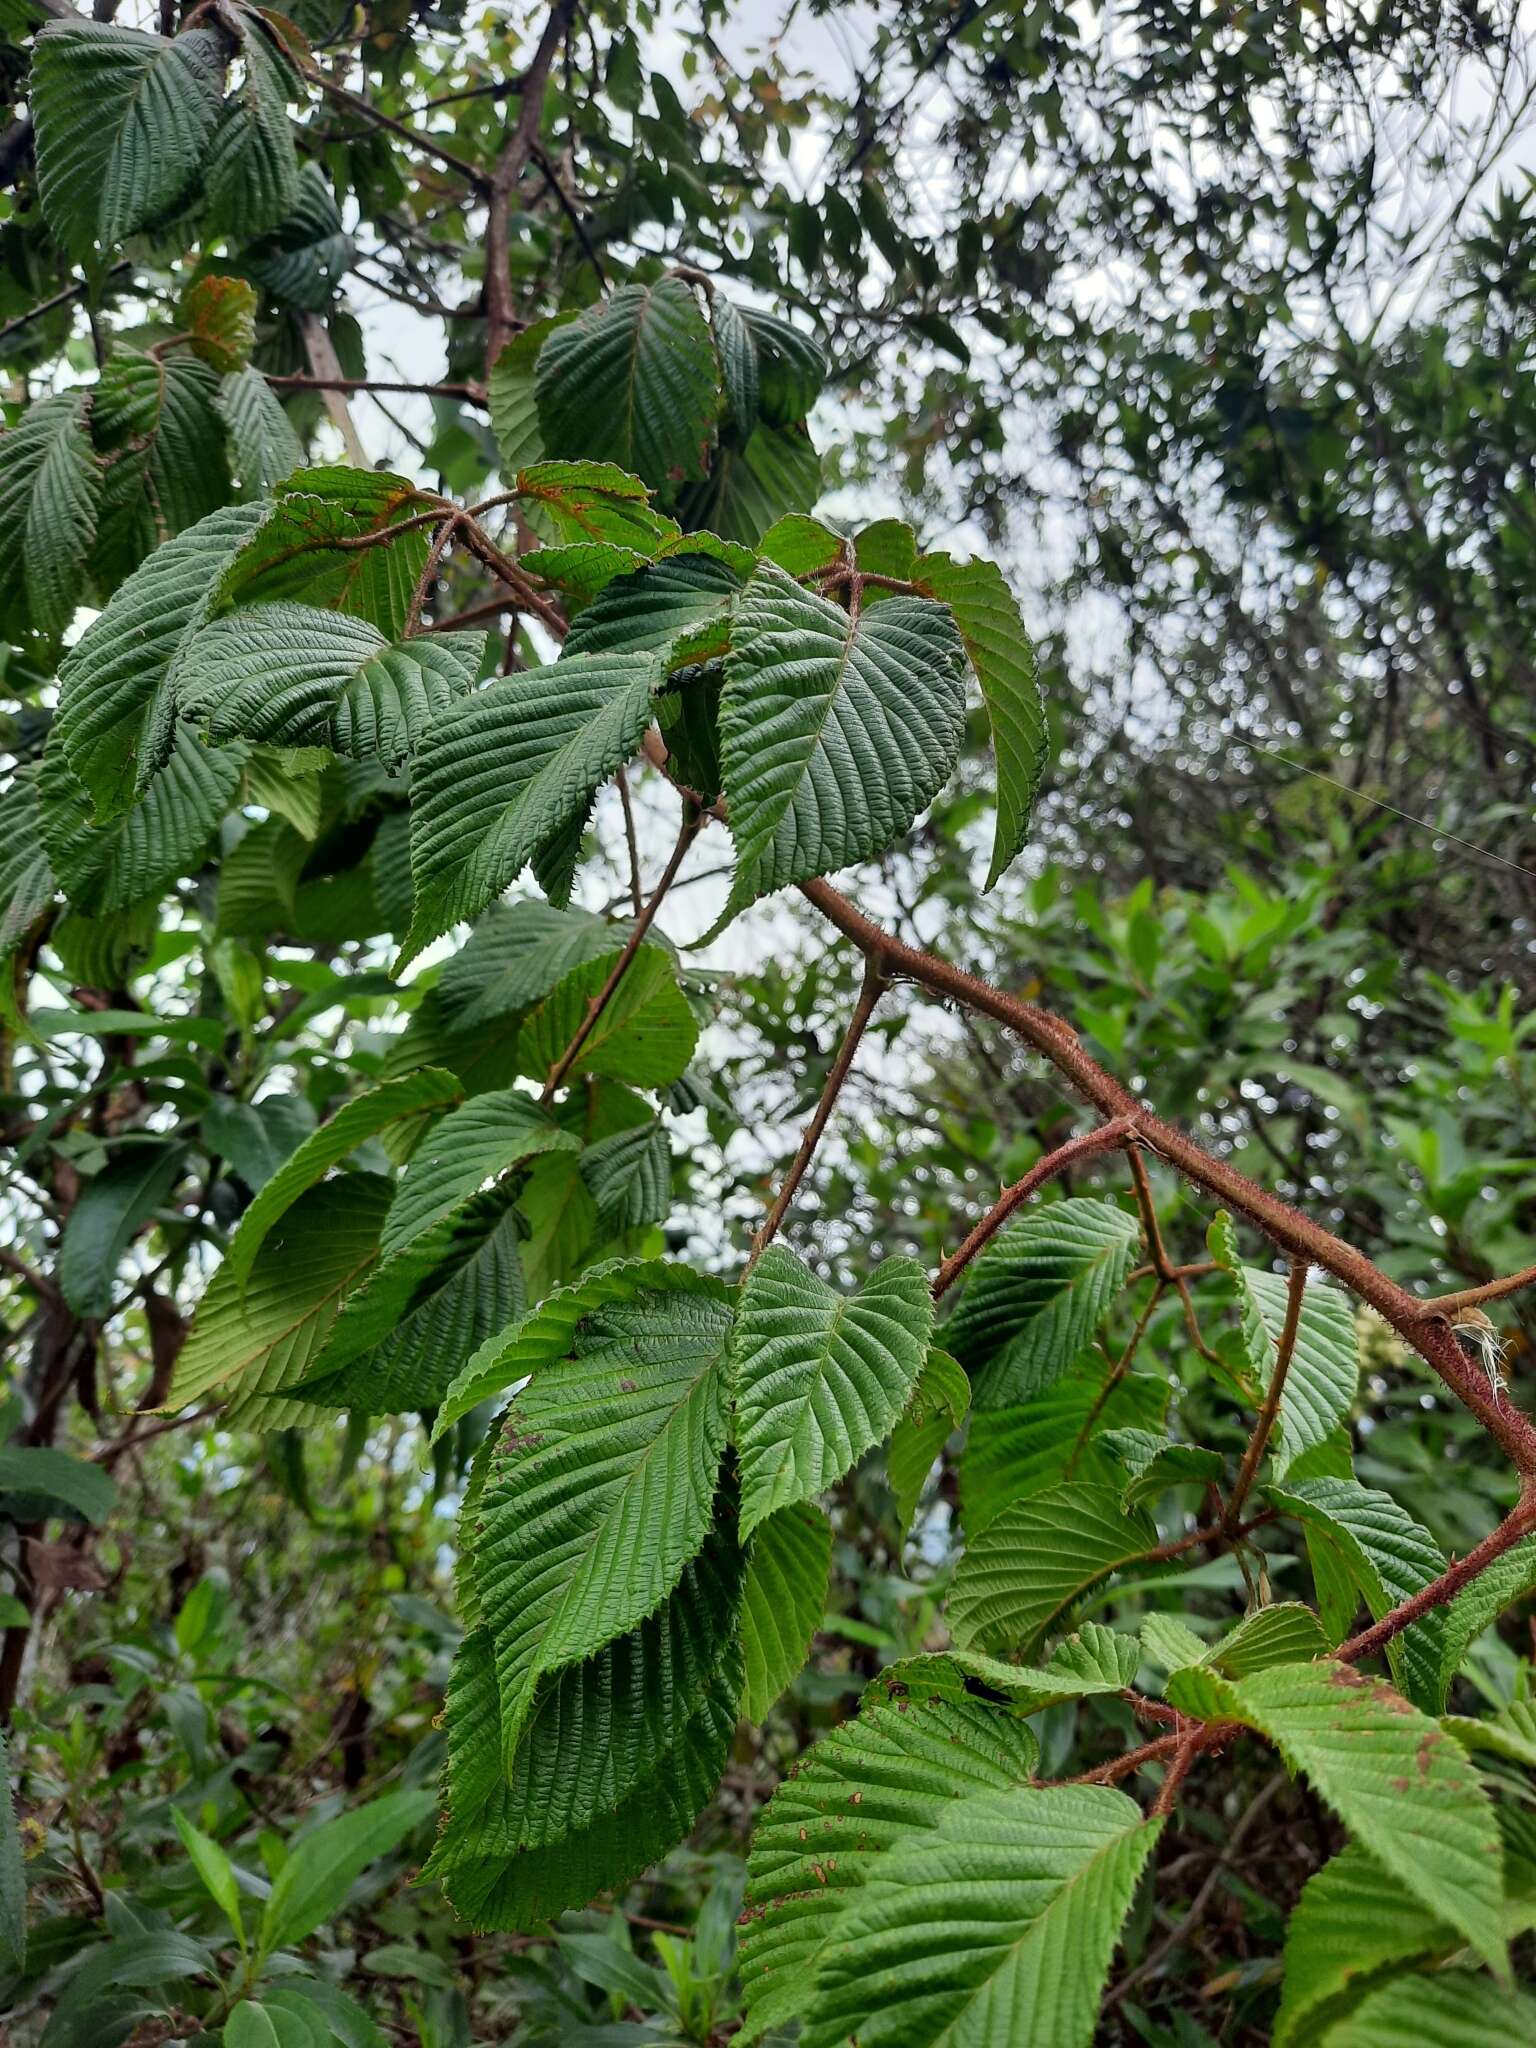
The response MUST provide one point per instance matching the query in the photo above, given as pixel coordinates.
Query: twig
(1108, 1137)
(442, 541)
(605, 995)
(873, 988)
(631, 842)
(428, 144)
(1146, 1201)
(1285, 1350)
(473, 394)
(500, 317)
(1518, 1524)
(1491, 1290)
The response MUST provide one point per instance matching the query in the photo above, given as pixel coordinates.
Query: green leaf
(937, 1408)
(545, 1334)
(1011, 1453)
(736, 353)
(1037, 1294)
(399, 1338)
(513, 402)
(26, 878)
(1093, 1662)
(216, 1871)
(509, 777)
(159, 432)
(679, 608)
(118, 685)
(835, 732)
(265, 448)
(1447, 2011)
(323, 1865)
(465, 1149)
(820, 1378)
(601, 1485)
(123, 124)
(256, 1137)
(1037, 1559)
(752, 486)
(294, 676)
(999, 1928)
(791, 366)
(13, 1876)
(249, 2026)
(1153, 1463)
(1510, 1733)
(633, 381)
(301, 550)
(109, 1214)
(884, 1777)
(1325, 1365)
(517, 953)
(587, 502)
(157, 839)
(987, 614)
(356, 1121)
(1285, 1634)
(49, 1475)
(645, 1036)
(629, 1177)
(783, 1601)
(305, 257)
(1508, 1579)
(252, 175)
(1351, 1921)
(50, 496)
(1398, 1782)
(262, 1338)
(1387, 1556)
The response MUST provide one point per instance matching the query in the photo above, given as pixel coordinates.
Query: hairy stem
(864, 1009)
(632, 944)
(1491, 1290)
(1285, 1351)
(1516, 1526)
(1104, 1138)
(500, 315)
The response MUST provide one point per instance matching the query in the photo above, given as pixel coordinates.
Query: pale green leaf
(1037, 1559)
(1086, 1665)
(1325, 1365)
(645, 1036)
(462, 1151)
(1011, 1453)
(324, 1864)
(265, 447)
(629, 1177)
(518, 952)
(937, 1408)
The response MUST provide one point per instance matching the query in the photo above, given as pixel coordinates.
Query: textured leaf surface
(292, 675)
(1033, 1563)
(252, 174)
(783, 1601)
(518, 952)
(123, 122)
(601, 1486)
(1398, 1782)
(26, 878)
(834, 732)
(1036, 1295)
(1449, 2011)
(471, 1145)
(117, 687)
(361, 1118)
(105, 1219)
(50, 493)
(633, 381)
(629, 1177)
(820, 1378)
(679, 609)
(1508, 1579)
(885, 1776)
(161, 836)
(1388, 1556)
(593, 502)
(1094, 1661)
(546, 1334)
(1011, 1453)
(997, 1929)
(264, 1338)
(300, 551)
(1153, 1463)
(937, 1408)
(157, 425)
(508, 778)
(754, 484)
(645, 1036)
(266, 450)
(1325, 1366)
(987, 614)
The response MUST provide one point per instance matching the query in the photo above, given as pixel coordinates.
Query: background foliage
(1212, 326)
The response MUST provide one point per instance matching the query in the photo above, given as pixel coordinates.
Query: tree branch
(500, 319)
(870, 994)
(1516, 1526)
(1108, 1137)
(1285, 1350)
(1491, 1290)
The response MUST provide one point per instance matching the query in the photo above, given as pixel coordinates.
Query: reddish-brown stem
(1179, 1765)
(631, 841)
(1294, 1233)
(530, 600)
(441, 543)
(1516, 1526)
(1491, 1290)
(500, 314)
(1104, 1138)
(1146, 1201)
(1285, 1351)
(864, 1009)
(632, 945)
